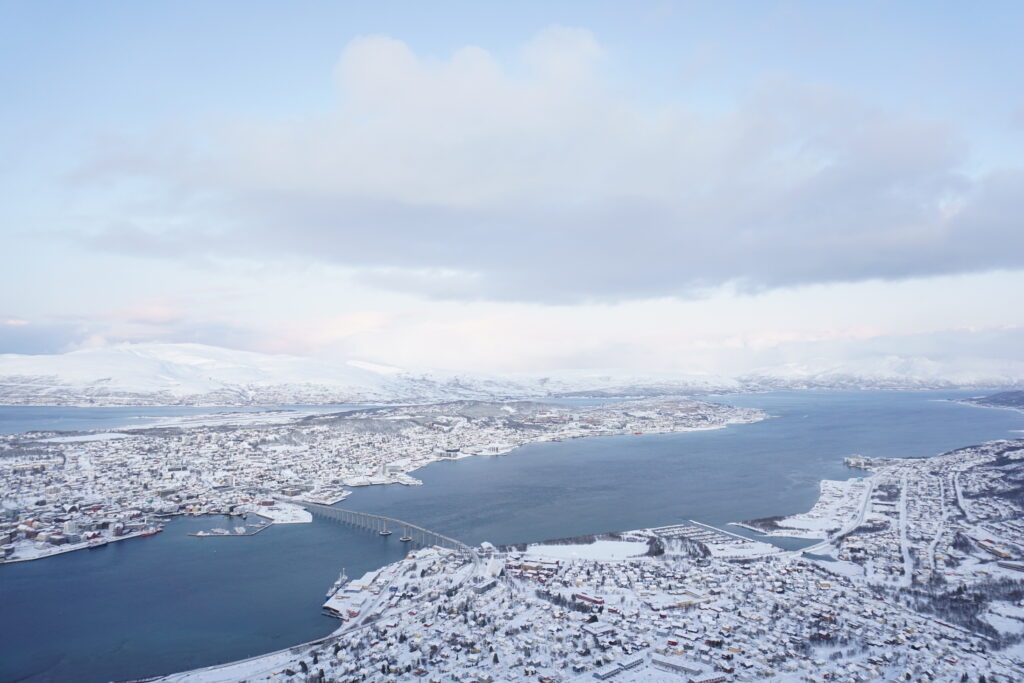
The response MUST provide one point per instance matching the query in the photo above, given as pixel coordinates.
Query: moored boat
(341, 580)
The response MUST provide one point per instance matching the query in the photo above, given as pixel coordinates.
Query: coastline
(975, 404)
(70, 548)
(610, 447)
(550, 439)
(746, 416)
(839, 504)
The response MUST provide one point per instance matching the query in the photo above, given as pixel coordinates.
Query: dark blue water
(172, 602)
(592, 485)
(20, 419)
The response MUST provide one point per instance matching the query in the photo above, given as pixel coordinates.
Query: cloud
(23, 336)
(544, 179)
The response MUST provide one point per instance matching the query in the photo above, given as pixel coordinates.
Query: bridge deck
(365, 520)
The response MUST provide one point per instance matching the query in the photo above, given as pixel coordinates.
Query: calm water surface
(172, 602)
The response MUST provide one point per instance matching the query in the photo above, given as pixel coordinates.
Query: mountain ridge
(196, 374)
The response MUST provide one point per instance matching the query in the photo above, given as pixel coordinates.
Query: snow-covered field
(741, 550)
(263, 417)
(605, 550)
(1006, 617)
(81, 438)
(839, 504)
(285, 513)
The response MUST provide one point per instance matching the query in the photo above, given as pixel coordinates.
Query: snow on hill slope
(172, 374)
(891, 372)
(625, 383)
(181, 373)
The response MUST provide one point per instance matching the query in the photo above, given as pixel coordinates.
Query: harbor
(268, 594)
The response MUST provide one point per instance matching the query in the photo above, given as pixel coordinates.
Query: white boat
(342, 580)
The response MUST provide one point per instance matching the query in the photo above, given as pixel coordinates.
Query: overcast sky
(702, 187)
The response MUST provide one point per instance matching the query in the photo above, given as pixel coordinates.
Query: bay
(173, 602)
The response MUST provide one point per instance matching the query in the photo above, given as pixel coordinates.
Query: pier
(364, 520)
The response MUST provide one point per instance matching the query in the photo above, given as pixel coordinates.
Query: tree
(495, 658)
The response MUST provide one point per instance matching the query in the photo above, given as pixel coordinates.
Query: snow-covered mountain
(152, 374)
(625, 383)
(171, 373)
(132, 374)
(891, 372)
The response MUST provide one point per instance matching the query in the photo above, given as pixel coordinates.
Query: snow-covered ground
(262, 417)
(1004, 624)
(284, 513)
(82, 438)
(1006, 617)
(439, 615)
(598, 550)
(839, 504)
(742, 549)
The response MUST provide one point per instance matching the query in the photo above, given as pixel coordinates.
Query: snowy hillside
(891, 372)
(625, 383)
(152, 374)
(193, 373)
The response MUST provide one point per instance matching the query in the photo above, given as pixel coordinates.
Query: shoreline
(221, 667)
(69, 548)
(839, 504)
(974, 404)
(542, 439)
(749, 416)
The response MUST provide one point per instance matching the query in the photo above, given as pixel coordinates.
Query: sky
(707, 187)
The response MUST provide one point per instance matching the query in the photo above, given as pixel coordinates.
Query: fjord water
(173, 602)
(584, 486)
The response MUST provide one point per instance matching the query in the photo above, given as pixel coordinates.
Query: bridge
(365, 520)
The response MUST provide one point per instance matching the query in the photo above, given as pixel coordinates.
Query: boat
(97, 543)
(342, 579)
